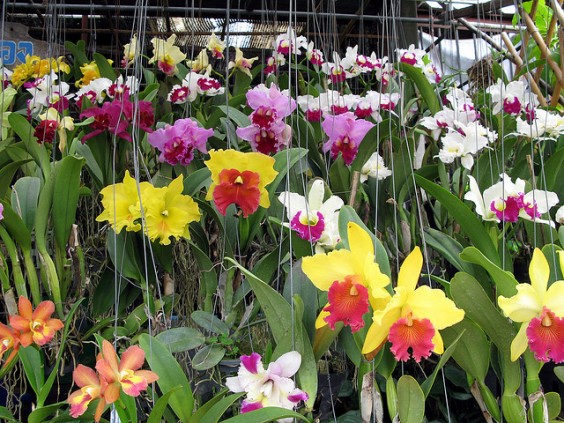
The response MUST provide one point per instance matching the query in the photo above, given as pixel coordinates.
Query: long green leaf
(40, 414)
(25, 193)
(465, 217)
(171, 376)
(160, 406)
(423, 85)
(66, 192)
(428, 383)
(106, 70)
(411, 400)
(32, 361)
(7, 173)
(6, 415)
(213, 415)
(24, 130)
(265, 415)
(505, 281)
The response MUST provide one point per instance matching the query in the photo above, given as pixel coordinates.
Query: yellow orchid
(90, 72)
(240, 178)
(166, 54)
(35, 67)
(121, 204)
(168, 212)
(540, 310)
(413, 317)
(200, 63)
(216, 46)
(352, 278)
(241, 63)
(130, 51)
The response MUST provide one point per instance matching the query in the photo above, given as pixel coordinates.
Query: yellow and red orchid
(352, 278)
(35, 326)
(9, 339)
(241, 63)
(240, 178)
(540, 310)
(91, 388)
(166, 54)
(124, 373)
(413, 317)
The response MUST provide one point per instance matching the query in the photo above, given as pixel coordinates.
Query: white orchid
(374, 168)
(512, 98)
(508, 201)
(272, 387)
(313, 219)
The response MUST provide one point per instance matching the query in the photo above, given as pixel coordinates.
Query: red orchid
(35, 326)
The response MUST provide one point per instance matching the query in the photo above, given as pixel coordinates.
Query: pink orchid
(345, 135)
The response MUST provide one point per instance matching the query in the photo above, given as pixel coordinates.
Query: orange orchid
(35, 326)
(91, 388)
(123, 373)
(9, 339)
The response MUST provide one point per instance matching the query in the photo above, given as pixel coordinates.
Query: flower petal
(44, 311)
(410, 270)
(380, 328)
(348, 302)
(110, 356)
(324, 269)
(539, 272)
(25, 309)
(519, 343)
(132, 359)
(554, 298)
(360, 242)
(289, 363)
(20, 323)
(414, 335)
(546, 337)
(84, 376)
(432, 304)
(523, 306)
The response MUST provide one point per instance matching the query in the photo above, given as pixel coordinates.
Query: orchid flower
(272, 387)
(166, 54)
(241, 63)
(200, 63)
(35, 326)
(169, 212)
(7, 95)
(352, 279)
(507, 201)
(313, 219)
(90, 72)
(465, 142)
(412, 318)
(559, 215)
(130, 51)
(1, 211)
(91, 389)
(95, 91)
(124, 373)
(121, 204)
(512, 98)
(177, 142)
(345, 134)
(50, 122)
(9, 339)
(540, 310)
(216, 46)
(374, 168)
(240, 178)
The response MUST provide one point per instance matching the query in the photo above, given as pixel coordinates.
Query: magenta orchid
(177, 142)
(345, 133)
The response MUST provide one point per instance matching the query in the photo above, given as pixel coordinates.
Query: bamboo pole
(549, 35)
(525, 40)
(519, 62)
(545, 51)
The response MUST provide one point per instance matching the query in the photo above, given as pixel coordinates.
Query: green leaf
(465, 217)
(40, 415)
(559, 372)
(32, 361)
(202, 411)
(424, 86)
(265, 415)
(196, 181)
(106, 70)
(181, 339)
(473, 349)
(126, 408)
(238, 117)
(505, 281)
(553, 404)
(209, 322)
(411, 400)
(24, 130)
(7, 173)
(428, 383)
(449, 248)
(6, 415)
(83, 150)
(171, 376)
(214, 413)
(25, 194)
(208, 357)
(340, 177)
(471, 297)
(122, 252)
(66, 192)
